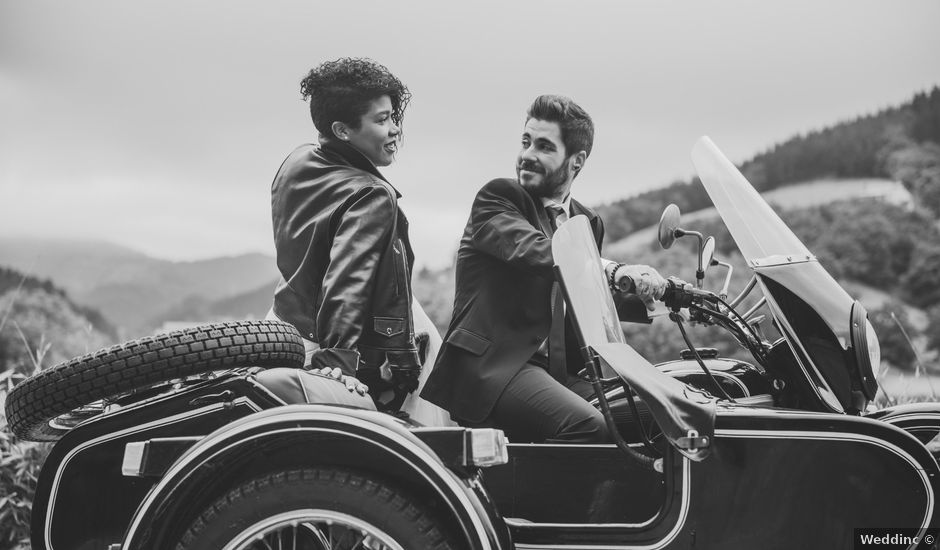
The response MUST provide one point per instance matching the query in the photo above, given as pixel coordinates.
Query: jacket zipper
(409, 315)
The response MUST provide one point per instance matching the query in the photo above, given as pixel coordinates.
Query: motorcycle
(203, 438)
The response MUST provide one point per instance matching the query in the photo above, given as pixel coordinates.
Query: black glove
(405, 367)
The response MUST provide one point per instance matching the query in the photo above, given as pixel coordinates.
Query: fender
(922, 420)
(374, 436)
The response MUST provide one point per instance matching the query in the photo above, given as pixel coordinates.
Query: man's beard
(550, 183)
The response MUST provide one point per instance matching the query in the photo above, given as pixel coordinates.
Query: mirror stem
(700, 272)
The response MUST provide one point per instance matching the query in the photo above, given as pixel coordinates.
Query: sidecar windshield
(759, 233)
(575, 253)
(678, 409)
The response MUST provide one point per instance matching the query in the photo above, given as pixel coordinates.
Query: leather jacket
(344, 257)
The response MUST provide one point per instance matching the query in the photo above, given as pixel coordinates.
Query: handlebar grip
(678, 294)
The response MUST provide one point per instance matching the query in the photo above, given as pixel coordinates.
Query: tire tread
(433, 537)
(143, 362)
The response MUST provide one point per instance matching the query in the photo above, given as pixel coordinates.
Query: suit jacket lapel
(579, 209)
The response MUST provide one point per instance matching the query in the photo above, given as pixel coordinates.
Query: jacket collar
(352, 157)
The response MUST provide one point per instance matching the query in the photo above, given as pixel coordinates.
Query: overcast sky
(159, 125)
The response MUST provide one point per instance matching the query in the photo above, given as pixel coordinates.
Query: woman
(342, 241)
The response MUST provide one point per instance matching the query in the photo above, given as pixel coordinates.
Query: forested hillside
(39, 322)
(899, 143)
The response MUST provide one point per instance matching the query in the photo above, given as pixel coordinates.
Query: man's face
(378, 136)
(542, 165)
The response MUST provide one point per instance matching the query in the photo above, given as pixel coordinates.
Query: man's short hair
(577, 128)
(341, 90)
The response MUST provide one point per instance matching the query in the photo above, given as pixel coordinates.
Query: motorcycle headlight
(867, 350)
(874, 348)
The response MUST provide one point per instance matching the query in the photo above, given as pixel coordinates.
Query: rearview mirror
(708, 252)
(668, 224)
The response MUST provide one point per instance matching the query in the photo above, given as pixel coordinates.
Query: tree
(921, 283)
(895, 348)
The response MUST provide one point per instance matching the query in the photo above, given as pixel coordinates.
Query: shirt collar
(565, 204)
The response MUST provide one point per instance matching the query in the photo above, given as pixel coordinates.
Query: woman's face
(378, 136)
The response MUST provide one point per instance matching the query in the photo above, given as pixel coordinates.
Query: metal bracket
(693, 441)
(226, 397)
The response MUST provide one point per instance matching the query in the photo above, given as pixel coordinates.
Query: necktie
(556, 337)
(554, 213)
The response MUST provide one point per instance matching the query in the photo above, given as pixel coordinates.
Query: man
(505, 361)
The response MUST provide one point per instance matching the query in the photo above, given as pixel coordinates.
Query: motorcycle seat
(295, 386)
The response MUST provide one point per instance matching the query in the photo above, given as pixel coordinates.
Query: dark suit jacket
(502, 309)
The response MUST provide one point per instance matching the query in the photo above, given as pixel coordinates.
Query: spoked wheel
(46, 406)
(316, 509)
(309, 529)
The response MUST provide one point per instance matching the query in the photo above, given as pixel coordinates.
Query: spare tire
(141, 363)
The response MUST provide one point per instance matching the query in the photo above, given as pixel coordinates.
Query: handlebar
(680, 294)
(706, 307)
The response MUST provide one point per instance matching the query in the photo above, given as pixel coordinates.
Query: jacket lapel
(579, 209)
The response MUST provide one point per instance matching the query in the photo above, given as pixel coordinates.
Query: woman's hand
(352, 383)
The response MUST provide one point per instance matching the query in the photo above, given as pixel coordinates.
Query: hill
(253, 304)
(791, 197)
(901, 143)
(128, 287)
(40, 325)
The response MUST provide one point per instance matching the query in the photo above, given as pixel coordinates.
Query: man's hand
(352, 383)
(642, 280)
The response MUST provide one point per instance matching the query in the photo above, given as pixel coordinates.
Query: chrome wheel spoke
(313, 530)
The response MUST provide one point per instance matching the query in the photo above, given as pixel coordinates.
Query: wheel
(315, 509)
(46, 406)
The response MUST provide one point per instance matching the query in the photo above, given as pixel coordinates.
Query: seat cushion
(295, 386)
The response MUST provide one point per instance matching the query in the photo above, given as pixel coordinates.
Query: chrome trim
(295, 413)
(920, 415)
(714, 373)
(53, 492)
(757, 305)
(133, 458)
(780, 259)
(751, 283)
(668, 538)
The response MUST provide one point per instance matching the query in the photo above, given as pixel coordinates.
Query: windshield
(767, 244)
(756, 228)
(781, 260)
(678, 409)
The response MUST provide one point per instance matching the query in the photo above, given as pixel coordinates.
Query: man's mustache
(531, 167)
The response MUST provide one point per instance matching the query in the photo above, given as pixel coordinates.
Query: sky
(160, 125)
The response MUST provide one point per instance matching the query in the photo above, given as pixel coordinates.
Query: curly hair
(577, 128)
(341, 91)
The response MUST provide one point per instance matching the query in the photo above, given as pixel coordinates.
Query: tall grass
(20, 462)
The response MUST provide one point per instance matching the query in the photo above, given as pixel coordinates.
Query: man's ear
(340, 130)
(577, 161)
